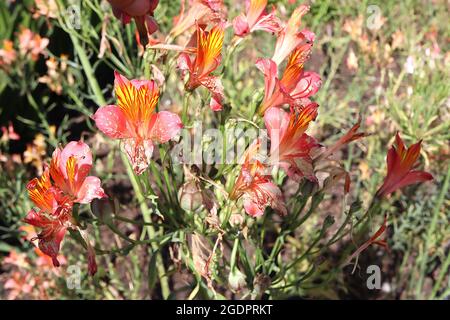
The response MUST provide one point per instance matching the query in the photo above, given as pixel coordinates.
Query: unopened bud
(236, 280)
(261, 283)
(190, 196)
(103, 208)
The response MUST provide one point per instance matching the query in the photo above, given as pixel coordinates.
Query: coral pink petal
(309, 84)
(34, 219)
(240, 25)
(309, 35)
(150, 84)
(83, 155)
(120, 80)
(252, 208)
(276, 121)
(79, 150)
(89, 190)
(270, 70)
(166, 126)
(276, 197)
(184, 62)
(214, 85)
(112, 122)
(215, 104)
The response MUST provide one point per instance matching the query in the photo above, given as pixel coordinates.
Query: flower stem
(150, 230)
(184, 113)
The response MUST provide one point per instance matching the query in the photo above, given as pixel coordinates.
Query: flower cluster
(30, 46)
(292, 149)
(287, 111)
(64, 183)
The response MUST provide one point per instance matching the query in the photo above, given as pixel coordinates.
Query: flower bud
(236, 220)
(92, 263)
(103, 208)
(190, 196)
(236, 280)
(261, 283)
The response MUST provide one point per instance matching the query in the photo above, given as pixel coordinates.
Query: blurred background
(386, 60)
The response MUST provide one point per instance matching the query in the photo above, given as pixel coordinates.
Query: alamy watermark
(374, 280)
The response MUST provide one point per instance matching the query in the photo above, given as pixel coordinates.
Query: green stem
(89, 71)
(429, 237)
(184, 113)
(150, 230)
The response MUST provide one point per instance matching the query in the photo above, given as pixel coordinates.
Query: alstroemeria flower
(256, 18)
(9, 133)
(135, 121)
(255, 186)
(400, 164)
(141, 11)
(7, 53)
(202, 12)
(207, 59)
(290, 37)
(294, 87)
(53, 217)
(69, 170)
(291, 148)
(32, 44)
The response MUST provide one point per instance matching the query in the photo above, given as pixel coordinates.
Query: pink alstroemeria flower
(255, 186)
(256, 18)
(400, 164)
(294, 87)
(32, 44)
(7, 53)
(141, 11)
(135, 121)
(69, 170)
(202, 12)
(290, 37)
(53, 217)
(207, 59)
(291, 148)
(66, 182)
(9, 133)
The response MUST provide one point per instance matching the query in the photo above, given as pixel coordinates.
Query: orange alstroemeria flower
(142, 13)
(291, 148)
(207, 59)
(53, 216)
(66, 182)
(254, 185)
(256, 18)
(291, 37)
(7, 53)
(202, 12)
(32, 44)
(400, 164)
(135, 121)
(69, 170)
(295, 86)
